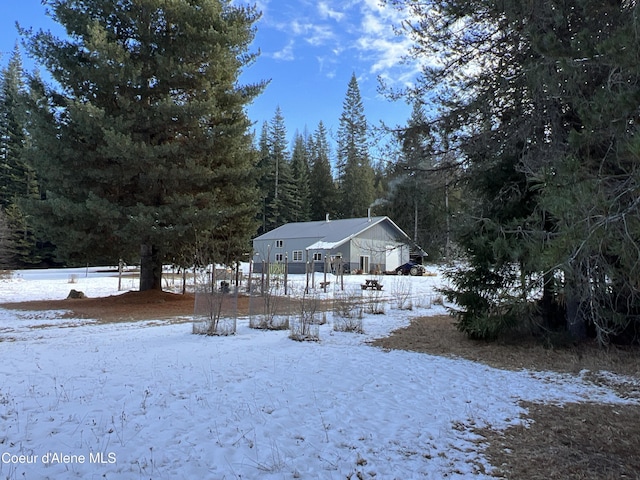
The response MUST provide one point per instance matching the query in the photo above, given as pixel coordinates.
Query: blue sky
(309, 50)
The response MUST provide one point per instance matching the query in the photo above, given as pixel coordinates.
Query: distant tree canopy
(144, 146)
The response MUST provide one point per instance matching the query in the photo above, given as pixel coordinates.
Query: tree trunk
(150, 268)
(576, 324)
(550, 312)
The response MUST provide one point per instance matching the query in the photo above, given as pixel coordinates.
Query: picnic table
(371, 284)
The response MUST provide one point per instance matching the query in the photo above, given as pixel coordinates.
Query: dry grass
(582, 441)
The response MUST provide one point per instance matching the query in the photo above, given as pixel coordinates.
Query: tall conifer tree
(416, 197)
(145, 147)
(355, 174)
(300, 176)
(544, 97)
(275, 175)
(17, 178)
(322, 188)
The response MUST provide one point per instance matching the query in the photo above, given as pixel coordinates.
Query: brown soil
(154, 305)
(125, 307)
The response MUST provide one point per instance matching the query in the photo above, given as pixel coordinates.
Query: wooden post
(250, 276)
(213, 277)
(306, 272)
(120, 274)
(267, 286)
(326, 261)
(286, 272)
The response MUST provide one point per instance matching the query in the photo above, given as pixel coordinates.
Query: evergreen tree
(6, 246)
(283, 206)
(266, 177)
(355, 175)
(17, 179)
(548, 114)
(322, 189)
(300, 173)
(418, 186)
(145, 146)
(275, 176)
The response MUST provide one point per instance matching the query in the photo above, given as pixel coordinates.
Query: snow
(79, 399)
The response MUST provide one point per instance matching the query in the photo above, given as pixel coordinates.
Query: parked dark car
(411, 268)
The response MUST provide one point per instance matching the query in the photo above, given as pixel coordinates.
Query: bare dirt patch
(584, 441)
(151, 305)
(128, 306)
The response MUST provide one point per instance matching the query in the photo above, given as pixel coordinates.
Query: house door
(393, 258)
(364, 263)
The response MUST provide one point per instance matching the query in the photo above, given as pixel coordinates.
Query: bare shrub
(271, 310)
(347, 304)
(349, 324)
(401, 293)
(305, 324)
(209, 305)
(374, 301)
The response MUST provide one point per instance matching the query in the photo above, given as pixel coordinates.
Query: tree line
(140, 148)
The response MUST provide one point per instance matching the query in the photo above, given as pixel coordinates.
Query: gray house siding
(362, 243)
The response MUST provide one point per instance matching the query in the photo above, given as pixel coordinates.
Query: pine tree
(17, 179)
(418, 182)
(322, 189)
(145, 146)
(355, 174)
(265, 177)
(300, 173)
(276, 181)
(6, 246)
(545, 105)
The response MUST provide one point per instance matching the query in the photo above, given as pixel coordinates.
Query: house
(370, 244)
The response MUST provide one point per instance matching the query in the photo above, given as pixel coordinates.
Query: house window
(297, 256)
(279, 243)
(317, 257)
(279, 257)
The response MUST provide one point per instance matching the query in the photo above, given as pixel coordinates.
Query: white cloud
(327, 65)
(381, 47)
(313, 34)
(320, 35)
(286, 54)
(326, 11)
(373, 25)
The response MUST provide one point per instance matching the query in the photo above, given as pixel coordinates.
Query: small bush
(401, 293)
(353, 324)
(347, 305)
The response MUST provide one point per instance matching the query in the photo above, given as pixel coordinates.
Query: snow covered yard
(151, 400)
